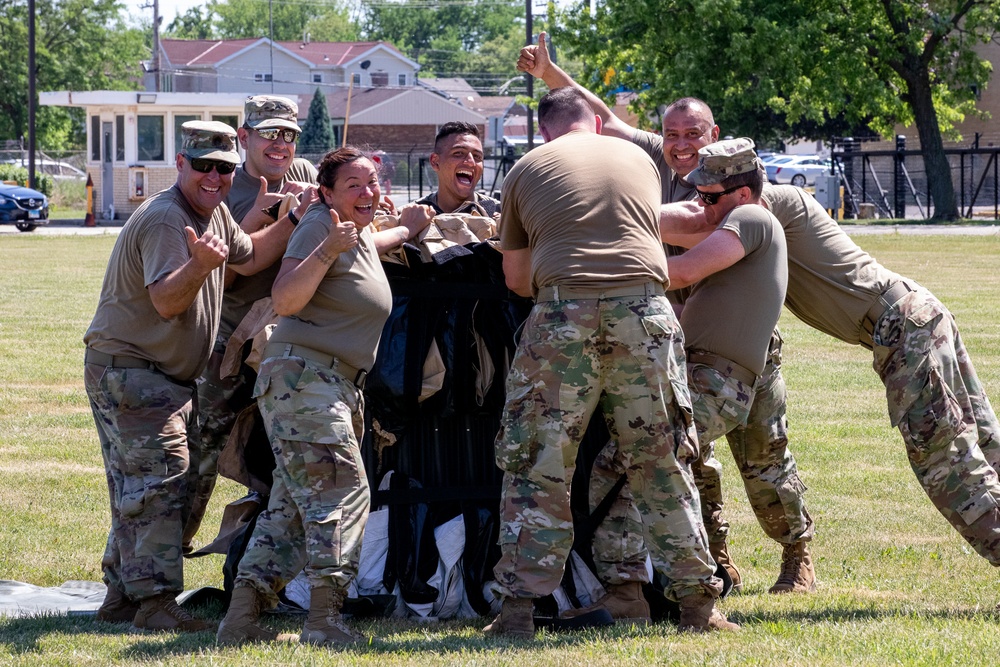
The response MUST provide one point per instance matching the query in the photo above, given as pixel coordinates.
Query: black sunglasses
(204, 166)
(710, 198)
(272, 133)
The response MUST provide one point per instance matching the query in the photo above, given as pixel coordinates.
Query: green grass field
(896, 583)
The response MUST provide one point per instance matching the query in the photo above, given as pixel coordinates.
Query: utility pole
(32, 71)
(530, 80)
(270, 39)
(156, 46)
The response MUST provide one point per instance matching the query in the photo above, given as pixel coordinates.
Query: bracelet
(292, 218)
(323, 257)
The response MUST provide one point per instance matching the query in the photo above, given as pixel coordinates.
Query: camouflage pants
(220, 400)
(760, 449)
(625, 356)
(936, 400)
(145, 422)
(761, 453)
(319, 499)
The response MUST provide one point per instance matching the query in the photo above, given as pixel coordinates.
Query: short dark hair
(454, 127)
(563, 106)
(752, 179)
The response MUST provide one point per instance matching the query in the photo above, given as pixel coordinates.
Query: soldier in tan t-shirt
(150, 338)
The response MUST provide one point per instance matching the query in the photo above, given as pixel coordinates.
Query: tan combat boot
(161, 612)
(625, 602)
(324, 625)
(698, 614)
(797, 574)
(241, 622)
(117, 607)
(516, 619)
(720, 554)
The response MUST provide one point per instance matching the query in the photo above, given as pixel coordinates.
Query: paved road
(71, 227)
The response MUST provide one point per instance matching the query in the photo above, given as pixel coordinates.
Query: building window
(167, 83)
(262, 78)
(178, 135)
(401, 80)
(380, 78)
(231, 121)
(119, 138)
(357, 78)
(317, 78)
(95, 138)
(149, 137)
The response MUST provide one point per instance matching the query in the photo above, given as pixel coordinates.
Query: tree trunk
(939, 179)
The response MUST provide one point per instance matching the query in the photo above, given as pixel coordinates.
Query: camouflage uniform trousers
(624, 355)
(720, 404)
(145, 422)
(220, 400)
(319, 501)
(770, 475)
(950, 430)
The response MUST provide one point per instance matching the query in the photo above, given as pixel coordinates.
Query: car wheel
(26, 226)
(799, 180)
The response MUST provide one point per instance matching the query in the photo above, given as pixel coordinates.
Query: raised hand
(534, 58)
(343, 235)
(209, 251)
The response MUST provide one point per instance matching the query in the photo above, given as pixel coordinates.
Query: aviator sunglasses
(710, 198)
(272, 133)
(204, 166)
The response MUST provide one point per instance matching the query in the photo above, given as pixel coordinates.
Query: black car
(25, 207)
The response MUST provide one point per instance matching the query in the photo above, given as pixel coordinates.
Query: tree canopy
(808, 68)
(79, 45)
(240, 19)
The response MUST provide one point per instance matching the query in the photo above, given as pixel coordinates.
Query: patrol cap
(209, 139)
(718, 161)
(264, 111)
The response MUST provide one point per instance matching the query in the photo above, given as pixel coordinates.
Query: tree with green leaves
(191, 25)
(317, 134)
(798, 67)
(79, 45)
(241, 19)
(478, 41)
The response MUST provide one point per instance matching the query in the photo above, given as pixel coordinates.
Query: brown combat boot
(797, 574)
(241, 622)
(324, 625)
(516, 619)
(117, 607)
(698, 614)
(161, 612)
(720, 554)
(625, 602)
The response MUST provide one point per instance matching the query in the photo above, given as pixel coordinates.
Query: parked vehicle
(54, 168)
(799, 170)
(25, 207)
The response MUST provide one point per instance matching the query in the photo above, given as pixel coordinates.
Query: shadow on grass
(390, 636)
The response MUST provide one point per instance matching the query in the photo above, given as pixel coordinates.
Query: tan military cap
(209, 139)
(264, 111)
(722, 159)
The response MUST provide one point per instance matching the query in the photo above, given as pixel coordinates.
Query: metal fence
(894, 183)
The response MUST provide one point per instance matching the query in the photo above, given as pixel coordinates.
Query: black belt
(92, 356)
(355, 375)
(560, 292)
(730, 369)
(884, 302)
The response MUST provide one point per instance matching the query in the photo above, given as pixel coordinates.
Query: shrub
(12, 172)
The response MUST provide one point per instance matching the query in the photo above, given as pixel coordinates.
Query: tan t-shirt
(733, 312)
(152, 245)
(673, 189)
(588, 208)
(345, 316)
(244, 290)
(831, 281)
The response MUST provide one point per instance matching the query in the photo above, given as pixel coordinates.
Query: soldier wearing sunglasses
(269, 174)
(150, 338)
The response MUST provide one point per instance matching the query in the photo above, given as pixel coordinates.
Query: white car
(800, 170)
(55, 169)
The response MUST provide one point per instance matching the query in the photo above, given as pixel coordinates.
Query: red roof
(207, 52)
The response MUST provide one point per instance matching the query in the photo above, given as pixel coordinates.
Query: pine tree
(317, 135)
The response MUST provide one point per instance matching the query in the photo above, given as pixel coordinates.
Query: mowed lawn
(896, 583)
